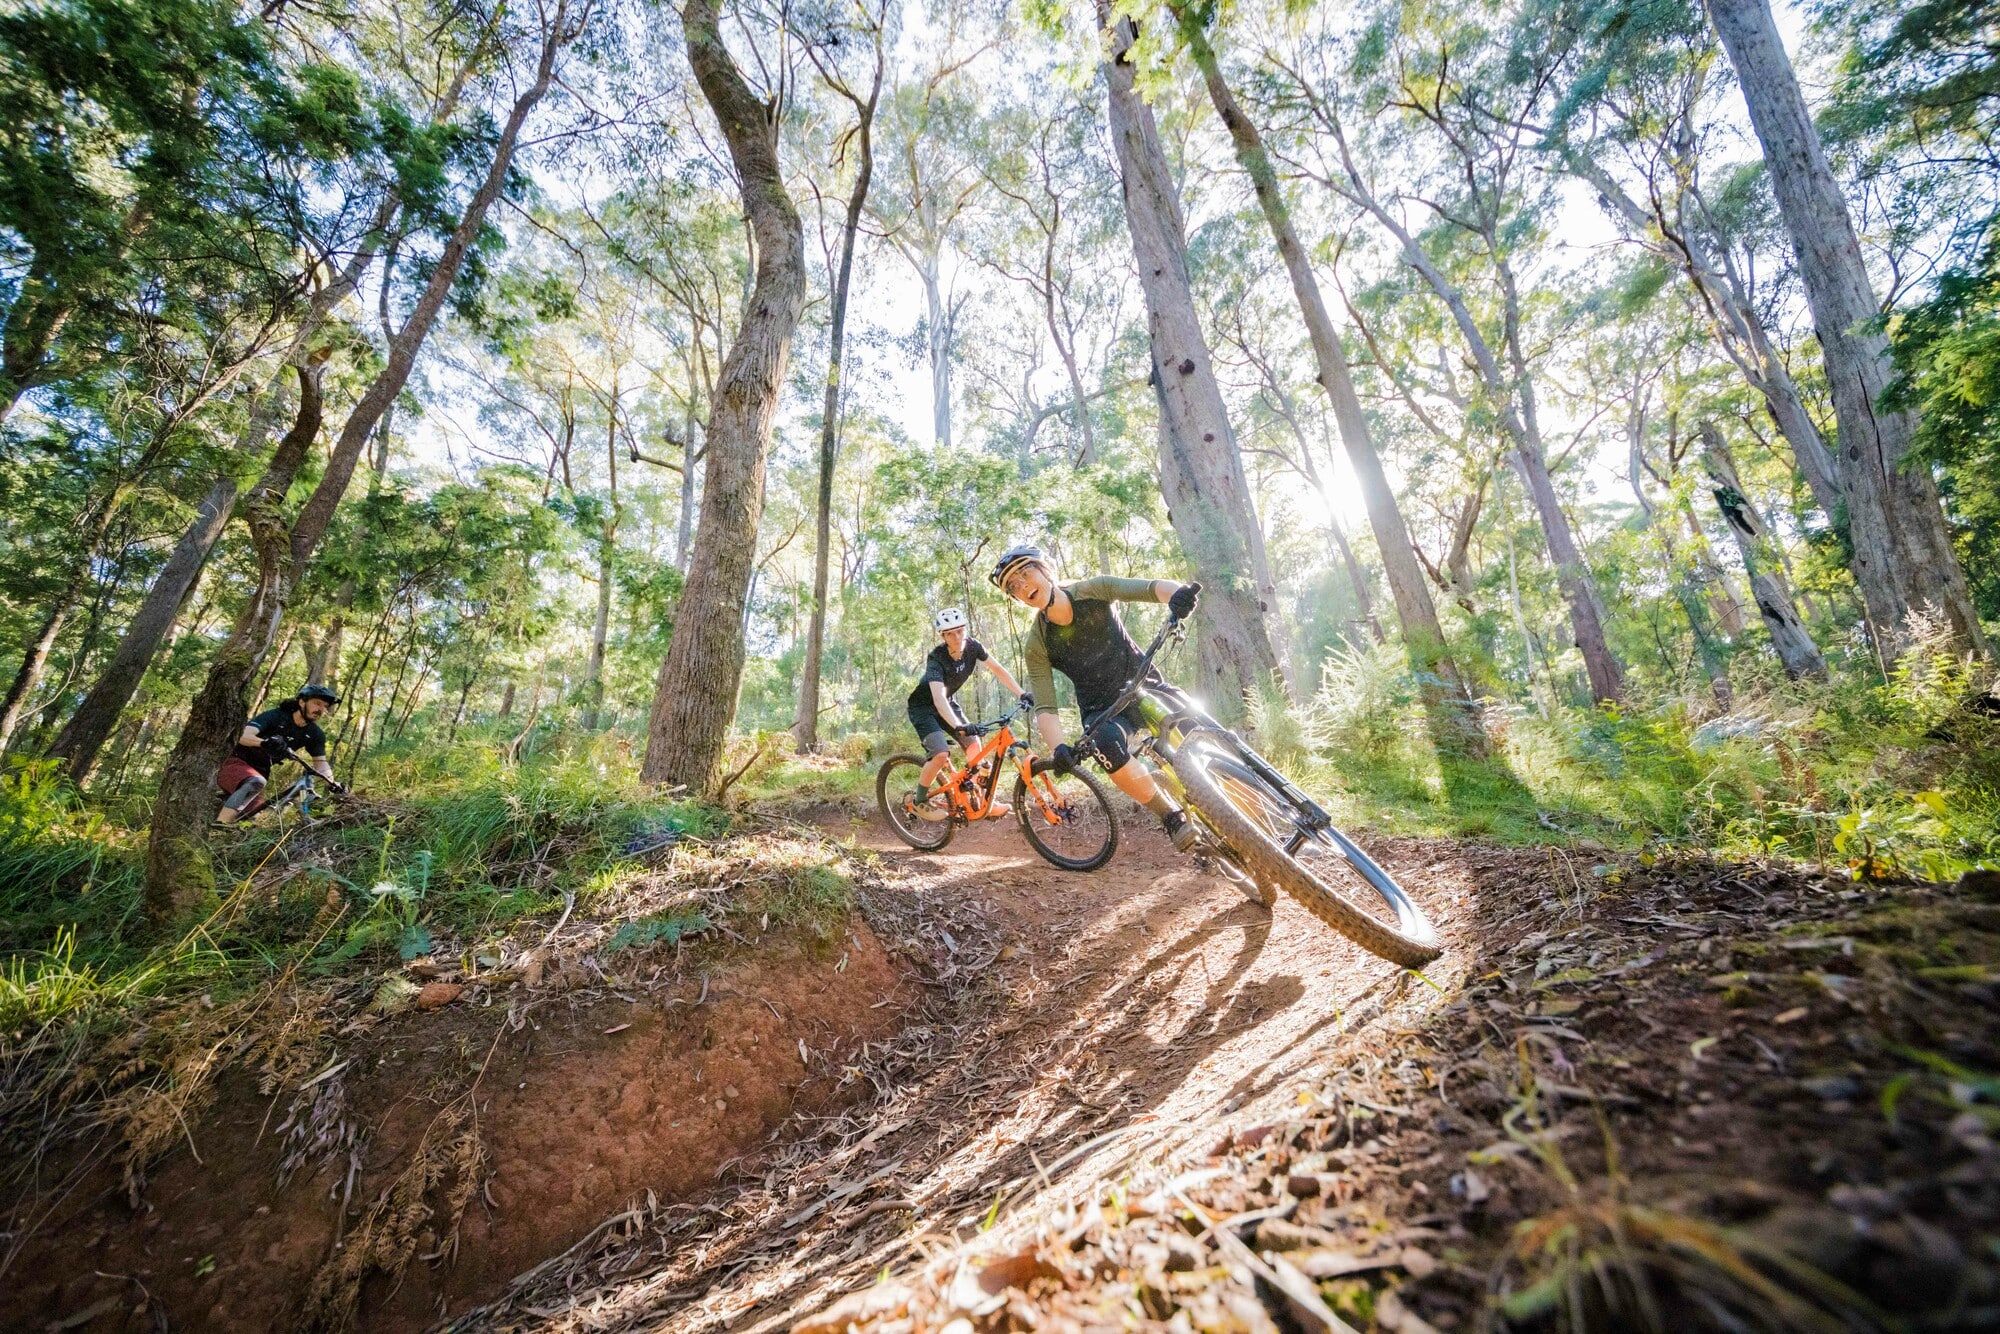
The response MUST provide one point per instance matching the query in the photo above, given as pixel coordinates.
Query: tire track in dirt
(1113, 1018)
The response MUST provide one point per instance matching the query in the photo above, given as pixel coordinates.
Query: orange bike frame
(971, 801)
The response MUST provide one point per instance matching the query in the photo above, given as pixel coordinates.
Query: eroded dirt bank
(615, 1079)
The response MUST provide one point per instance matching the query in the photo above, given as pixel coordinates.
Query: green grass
(447, 845)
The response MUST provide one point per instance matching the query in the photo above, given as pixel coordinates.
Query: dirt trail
(1114, 1017)
(1684, 1095)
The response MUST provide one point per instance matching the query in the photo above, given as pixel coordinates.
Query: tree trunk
(684, 529)
(1357, 579)
(805, 728)
(409, 340)
(1201, 469)
(1734, 318)
(1579, 589)
(1714, 665)
(179, 869)
(34, 319)
(695, 701)
(1766, 574)
(941, 316)
(1903, 558)
(1455, 722)
(33, 662)
(81, 738)
(1512, 396)
(607, 550)
(98, 515)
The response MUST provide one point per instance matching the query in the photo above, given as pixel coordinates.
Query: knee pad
(246, 792)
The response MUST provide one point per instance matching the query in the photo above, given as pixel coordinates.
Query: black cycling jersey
(280, 723)
(948, 671)
(1094, 650)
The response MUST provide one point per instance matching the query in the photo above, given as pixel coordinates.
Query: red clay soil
(1121, 1011)
(594, 1102)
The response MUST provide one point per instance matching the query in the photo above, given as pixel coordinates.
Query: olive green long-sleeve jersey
(1094, 650)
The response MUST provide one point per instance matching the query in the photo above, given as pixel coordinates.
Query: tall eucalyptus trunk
(805, 728)
(1903, 557)
(1201, 469)
(1454, 718)
(695, 701)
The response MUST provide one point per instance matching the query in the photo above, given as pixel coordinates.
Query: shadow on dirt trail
(1085, 1023)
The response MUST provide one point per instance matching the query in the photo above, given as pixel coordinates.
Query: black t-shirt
(940, 666)
(280, 723)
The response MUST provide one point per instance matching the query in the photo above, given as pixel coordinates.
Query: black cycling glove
(1027, 702)
(1181, 604)
(1062, 759)
(275, 747)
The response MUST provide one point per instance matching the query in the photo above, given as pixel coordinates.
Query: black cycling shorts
(1113, 736)
(932, 734)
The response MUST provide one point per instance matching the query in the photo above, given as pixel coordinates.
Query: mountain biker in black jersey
(1077, 632)
(287, 728)
(936, 715)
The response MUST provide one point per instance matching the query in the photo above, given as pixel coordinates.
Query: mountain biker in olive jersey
(1077, 631)
(290, 726)
(936, 715)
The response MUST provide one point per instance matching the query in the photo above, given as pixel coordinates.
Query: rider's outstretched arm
(1009, 683)
(1112, 588)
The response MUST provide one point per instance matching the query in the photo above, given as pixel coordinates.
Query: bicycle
(1066, 817)
(301, 791)
(1256, 825)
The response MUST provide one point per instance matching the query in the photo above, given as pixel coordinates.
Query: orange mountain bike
(1066, 816)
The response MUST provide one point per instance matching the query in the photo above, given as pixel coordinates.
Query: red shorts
(234, 771)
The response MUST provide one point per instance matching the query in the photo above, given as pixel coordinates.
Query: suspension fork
(1165, 726)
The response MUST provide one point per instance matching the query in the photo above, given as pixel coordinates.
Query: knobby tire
(1268, 861)
(1028, 810)
(914, 836)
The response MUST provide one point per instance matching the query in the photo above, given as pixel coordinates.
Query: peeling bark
(1789, 635)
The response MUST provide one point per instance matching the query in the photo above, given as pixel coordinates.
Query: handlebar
(290, 754)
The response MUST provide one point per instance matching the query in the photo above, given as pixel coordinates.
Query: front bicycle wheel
(1067, 818)
(925, 826)
(1323, 869)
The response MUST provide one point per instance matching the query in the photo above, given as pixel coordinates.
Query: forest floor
(998, 1096)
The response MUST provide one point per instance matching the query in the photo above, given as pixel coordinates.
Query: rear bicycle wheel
(896, 786)
(1067, 818)
(1323, 869)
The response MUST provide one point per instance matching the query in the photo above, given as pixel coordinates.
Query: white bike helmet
(951, 618)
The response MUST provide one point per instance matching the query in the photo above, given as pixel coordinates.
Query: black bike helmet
(1013, 558)
(318, 692)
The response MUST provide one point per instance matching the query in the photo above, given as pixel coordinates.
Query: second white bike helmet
(951, 618)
